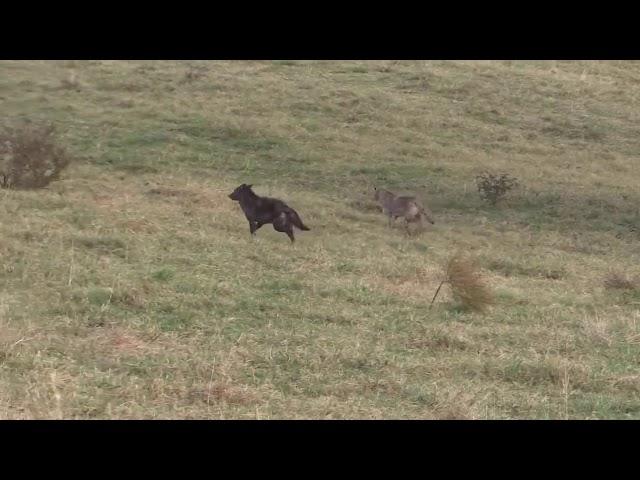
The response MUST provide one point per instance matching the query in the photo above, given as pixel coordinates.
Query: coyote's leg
(389, 215)
(406, 226)
(420, 222)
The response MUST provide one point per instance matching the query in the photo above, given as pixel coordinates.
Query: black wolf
(262, 210)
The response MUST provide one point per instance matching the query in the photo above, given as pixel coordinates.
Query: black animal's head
(237, 193)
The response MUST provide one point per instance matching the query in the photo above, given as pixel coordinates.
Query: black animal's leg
(289, 232)
(282, 224)
(254, 226)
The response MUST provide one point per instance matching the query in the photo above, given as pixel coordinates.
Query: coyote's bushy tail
(295, 219)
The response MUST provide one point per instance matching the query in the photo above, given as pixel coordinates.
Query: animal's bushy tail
(295, 219)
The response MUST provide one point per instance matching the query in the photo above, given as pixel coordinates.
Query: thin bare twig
(436, 294)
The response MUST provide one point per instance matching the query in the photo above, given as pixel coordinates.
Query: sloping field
(131, 288)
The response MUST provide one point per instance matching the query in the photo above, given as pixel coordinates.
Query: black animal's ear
(249, 186)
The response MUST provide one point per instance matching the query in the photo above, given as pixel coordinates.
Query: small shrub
(99, 296)
(365, 205)
(466, 284)
(163, 275)
(617, 280)
(30, 157)
(493, 187)
(508, 269)
(195, 72)
(288, 63)
(104, 245)
(71, 82)
(133, 298)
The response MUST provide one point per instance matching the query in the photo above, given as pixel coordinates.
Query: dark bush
(30, 157)
(493, 187)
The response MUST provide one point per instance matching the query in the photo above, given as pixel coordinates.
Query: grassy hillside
(132, 289)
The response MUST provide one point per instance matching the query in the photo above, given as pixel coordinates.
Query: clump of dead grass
(466, 283)
(30, 156)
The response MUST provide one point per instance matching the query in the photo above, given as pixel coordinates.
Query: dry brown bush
(467, 285)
